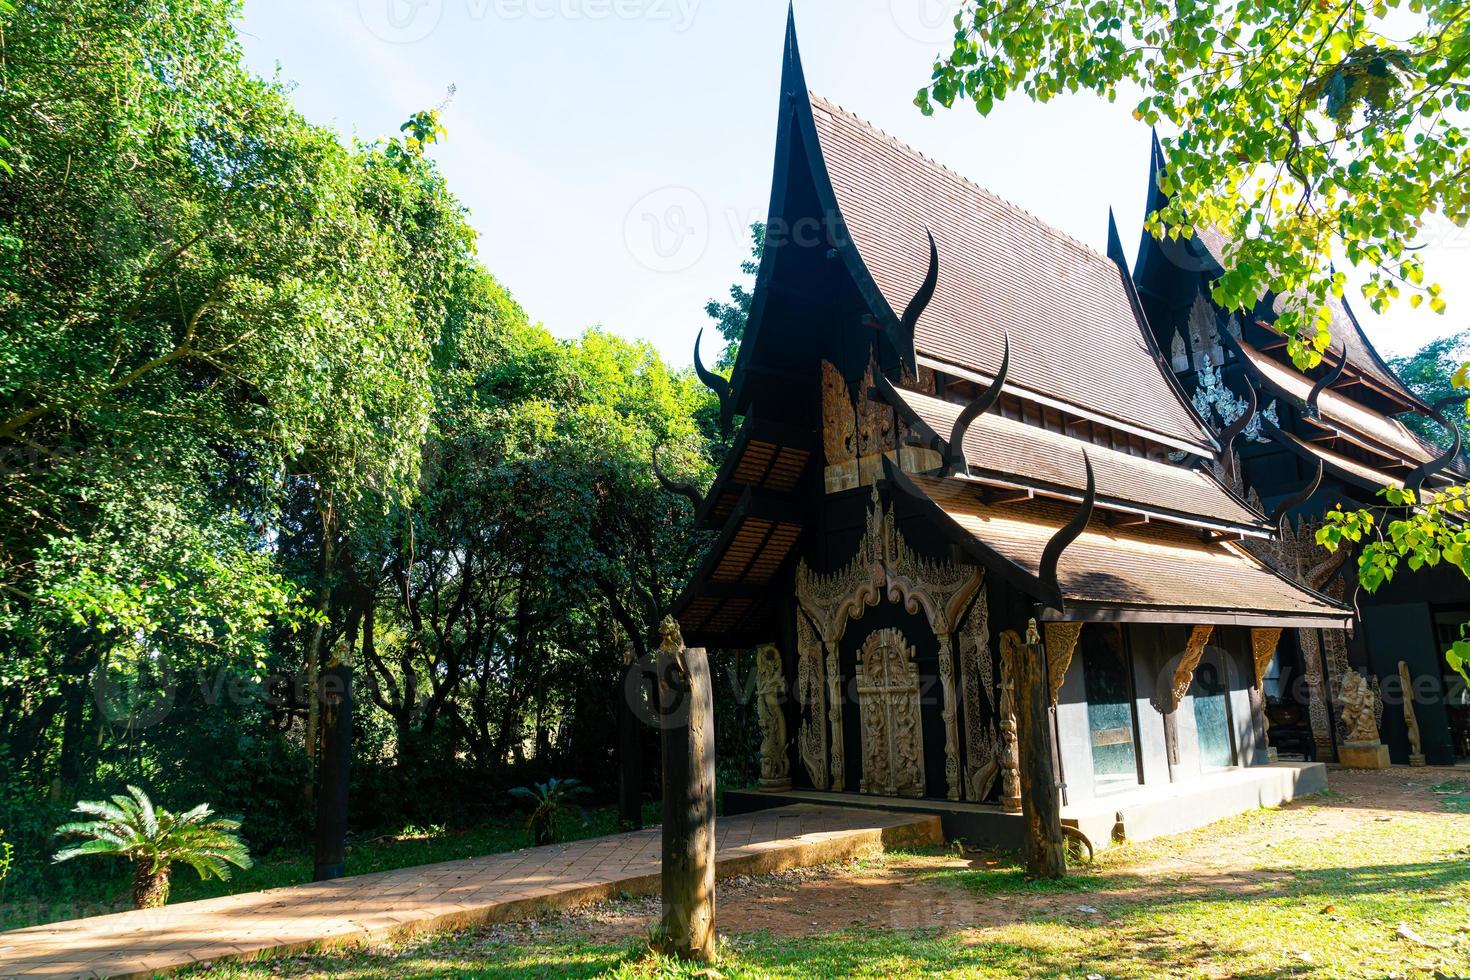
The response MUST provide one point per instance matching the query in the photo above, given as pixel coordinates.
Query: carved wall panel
(885, 566)
(858, 433)
(977, 681)
(839, 426)
(1011, 652)
(811, 738)
(888, 705)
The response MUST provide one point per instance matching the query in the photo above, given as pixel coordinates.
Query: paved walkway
(437, 896)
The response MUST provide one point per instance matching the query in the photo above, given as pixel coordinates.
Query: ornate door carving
(888, 704)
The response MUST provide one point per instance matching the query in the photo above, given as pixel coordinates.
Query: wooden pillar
(1045, 856)
(686, 715)
(630, 745)
(334, 685)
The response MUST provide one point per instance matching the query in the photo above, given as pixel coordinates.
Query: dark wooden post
(630, 744)
(686, 714)
(1045, 857)
(335, 689)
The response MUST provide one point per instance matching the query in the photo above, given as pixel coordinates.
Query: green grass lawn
(1325, 889)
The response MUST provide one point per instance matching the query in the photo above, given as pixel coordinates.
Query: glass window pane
(1212, 715)
(1109, 709)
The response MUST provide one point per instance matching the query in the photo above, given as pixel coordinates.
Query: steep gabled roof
(1000, 269)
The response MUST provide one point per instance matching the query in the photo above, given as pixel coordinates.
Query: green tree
(1430, 372)
(1306, 130)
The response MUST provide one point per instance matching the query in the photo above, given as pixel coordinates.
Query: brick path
(437, 896)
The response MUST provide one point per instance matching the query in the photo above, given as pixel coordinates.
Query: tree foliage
(1304, 132)
(261, 407)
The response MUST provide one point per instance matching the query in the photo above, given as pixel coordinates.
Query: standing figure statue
(770, 692)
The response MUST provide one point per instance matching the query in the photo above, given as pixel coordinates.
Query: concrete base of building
(1361, 755)
(1139, 814)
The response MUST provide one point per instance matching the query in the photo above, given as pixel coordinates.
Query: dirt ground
(898, 893)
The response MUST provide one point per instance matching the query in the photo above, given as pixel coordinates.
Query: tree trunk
(333, 773)
(314, 645)
(630, 745)
(686, 713)
(1045, 857)
(150, 888)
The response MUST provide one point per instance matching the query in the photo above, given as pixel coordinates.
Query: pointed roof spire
(793, 77)
(1115, 244)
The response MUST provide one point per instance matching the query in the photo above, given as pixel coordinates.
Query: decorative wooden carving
(1061, 643)
(1263, 648)
(811, 737)
(837, 754)
(839, 425)
(1264, 640)
(888, 704)
(886, 566)
(982, 741)
(875, 420)
(1199, 638)
(1411, 720)
(1311, 646)
(1359, 709)
(770, 693)
(1011, 652)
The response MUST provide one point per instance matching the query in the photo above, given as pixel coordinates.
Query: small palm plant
(155, 839)
(550, 801)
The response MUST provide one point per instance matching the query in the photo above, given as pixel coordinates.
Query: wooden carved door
(888, 706)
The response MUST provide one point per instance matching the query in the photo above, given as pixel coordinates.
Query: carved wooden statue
(1411, 720)
(770, 693)
(1040, 802)
(1359, 709)
(1010, 752)
(686, 716)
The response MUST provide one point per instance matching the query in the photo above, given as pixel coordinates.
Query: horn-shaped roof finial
(681, 488)
(1417, 478)
(714, 383)
(1327, 381)
(955, 462)
(1066, 534)
(903, 340)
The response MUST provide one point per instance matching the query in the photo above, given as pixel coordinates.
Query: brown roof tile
(1072, 327)
(1339, 410)
(1154, 570)
(1007, 447)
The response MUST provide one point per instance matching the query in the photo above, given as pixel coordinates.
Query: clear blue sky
(612, 152)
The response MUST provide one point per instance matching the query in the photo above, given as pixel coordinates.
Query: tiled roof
(1153, 571)
(1073, 330)
(1360, 472)
(1006, 447)
(1339, 410)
